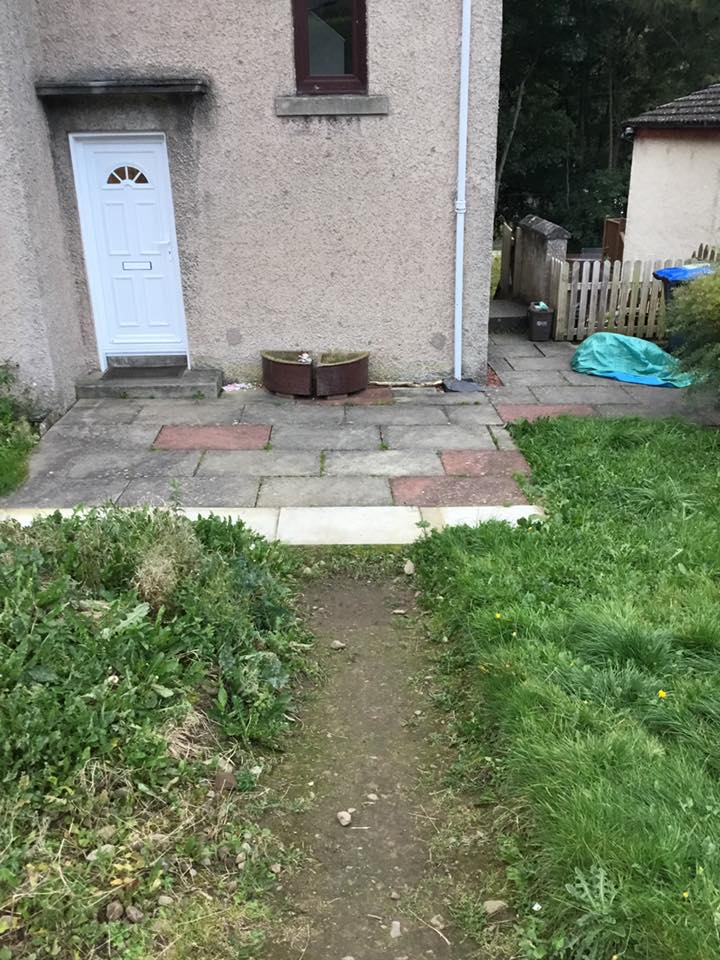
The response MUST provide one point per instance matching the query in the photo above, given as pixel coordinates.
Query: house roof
(699, 109)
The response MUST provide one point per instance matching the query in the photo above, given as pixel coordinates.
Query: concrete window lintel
(332, 105)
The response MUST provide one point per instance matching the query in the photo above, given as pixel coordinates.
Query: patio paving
(406, 448)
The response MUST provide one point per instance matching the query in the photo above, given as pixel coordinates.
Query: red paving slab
(455, 491)
(533, 411)
(244, 436)
(482, 463)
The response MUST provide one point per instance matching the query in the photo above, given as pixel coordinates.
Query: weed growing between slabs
(142, 657)
(582, 664)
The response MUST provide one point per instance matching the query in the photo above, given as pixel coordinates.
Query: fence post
(506, 261)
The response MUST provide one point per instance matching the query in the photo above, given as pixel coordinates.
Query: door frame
(83, 190)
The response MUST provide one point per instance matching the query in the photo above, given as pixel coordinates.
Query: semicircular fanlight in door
(126, 174)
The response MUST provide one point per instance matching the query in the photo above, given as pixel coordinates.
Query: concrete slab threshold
(331, 526)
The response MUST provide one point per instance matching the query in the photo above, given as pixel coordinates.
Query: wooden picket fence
(707, 254)
(595, 295)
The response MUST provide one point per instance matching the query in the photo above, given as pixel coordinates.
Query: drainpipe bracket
(460, 206)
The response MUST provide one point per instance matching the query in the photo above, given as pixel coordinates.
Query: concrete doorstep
(328, 526)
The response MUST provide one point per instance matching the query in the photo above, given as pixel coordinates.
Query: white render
(674, 203)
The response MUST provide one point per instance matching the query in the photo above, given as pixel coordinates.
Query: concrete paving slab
(369, 397)
(294, 414)
(503, 438)
(556, 362)
(585, 380)
(556, 348)
(511, 393)
(476, 416)
(516, 347)
(383, 463)
(438, 438)
(654, 396)
(398, 414)
(202, 491)
(500, 365)
(130, 462)
(338, 437)
(428, 396)
(535, 378)
(261, 463)
(441, 517)
(324, 492)
(50, 492)
(481, 463)
(315, 526)
(613, 394)
(245, 436)
(520, 411)
(456, 491)
(88, 432)
(225, 410)
(107, 411)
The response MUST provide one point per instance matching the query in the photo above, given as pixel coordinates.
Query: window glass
(330, 27)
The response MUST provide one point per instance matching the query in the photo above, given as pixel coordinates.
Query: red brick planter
(340, 373)
(284, 373)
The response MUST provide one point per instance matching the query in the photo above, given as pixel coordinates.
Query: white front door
(128, 231)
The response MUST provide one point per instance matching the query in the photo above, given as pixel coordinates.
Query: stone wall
(537, 241)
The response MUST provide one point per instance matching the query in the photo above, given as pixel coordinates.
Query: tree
(572, 72)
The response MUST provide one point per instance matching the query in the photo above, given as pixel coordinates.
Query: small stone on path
(395, 930)
(114, 910)
(394, 895)
(344, 818)
(409, 568)
(337, 645)
(399, 612)
(372, 797)
(134, 914)
(437, 921)
(165, 901)
(497, 911)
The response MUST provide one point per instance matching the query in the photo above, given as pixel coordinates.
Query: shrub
(16, 438)
(694, 316)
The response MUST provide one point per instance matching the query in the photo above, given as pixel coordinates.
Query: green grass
(140, 654)
(582, 662)
(16, 438)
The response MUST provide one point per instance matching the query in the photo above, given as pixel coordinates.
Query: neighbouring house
(674, 202)
(205, 180)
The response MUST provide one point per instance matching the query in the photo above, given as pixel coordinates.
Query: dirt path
(368, 890)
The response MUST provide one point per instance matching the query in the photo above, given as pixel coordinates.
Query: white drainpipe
(460, 204)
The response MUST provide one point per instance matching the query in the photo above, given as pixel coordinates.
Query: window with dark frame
(330, 46)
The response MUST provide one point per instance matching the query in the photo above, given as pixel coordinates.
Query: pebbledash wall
(313, 233)
(674, 201)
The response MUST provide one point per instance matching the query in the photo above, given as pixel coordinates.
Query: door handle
(167, 245)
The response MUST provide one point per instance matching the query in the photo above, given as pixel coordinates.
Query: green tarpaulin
(628, 359)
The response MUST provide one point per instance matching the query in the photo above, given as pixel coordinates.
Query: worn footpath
(361, 793)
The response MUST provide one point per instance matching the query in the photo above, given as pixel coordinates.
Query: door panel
(128, 228)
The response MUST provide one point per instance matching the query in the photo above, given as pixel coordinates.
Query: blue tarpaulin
(629, 360)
